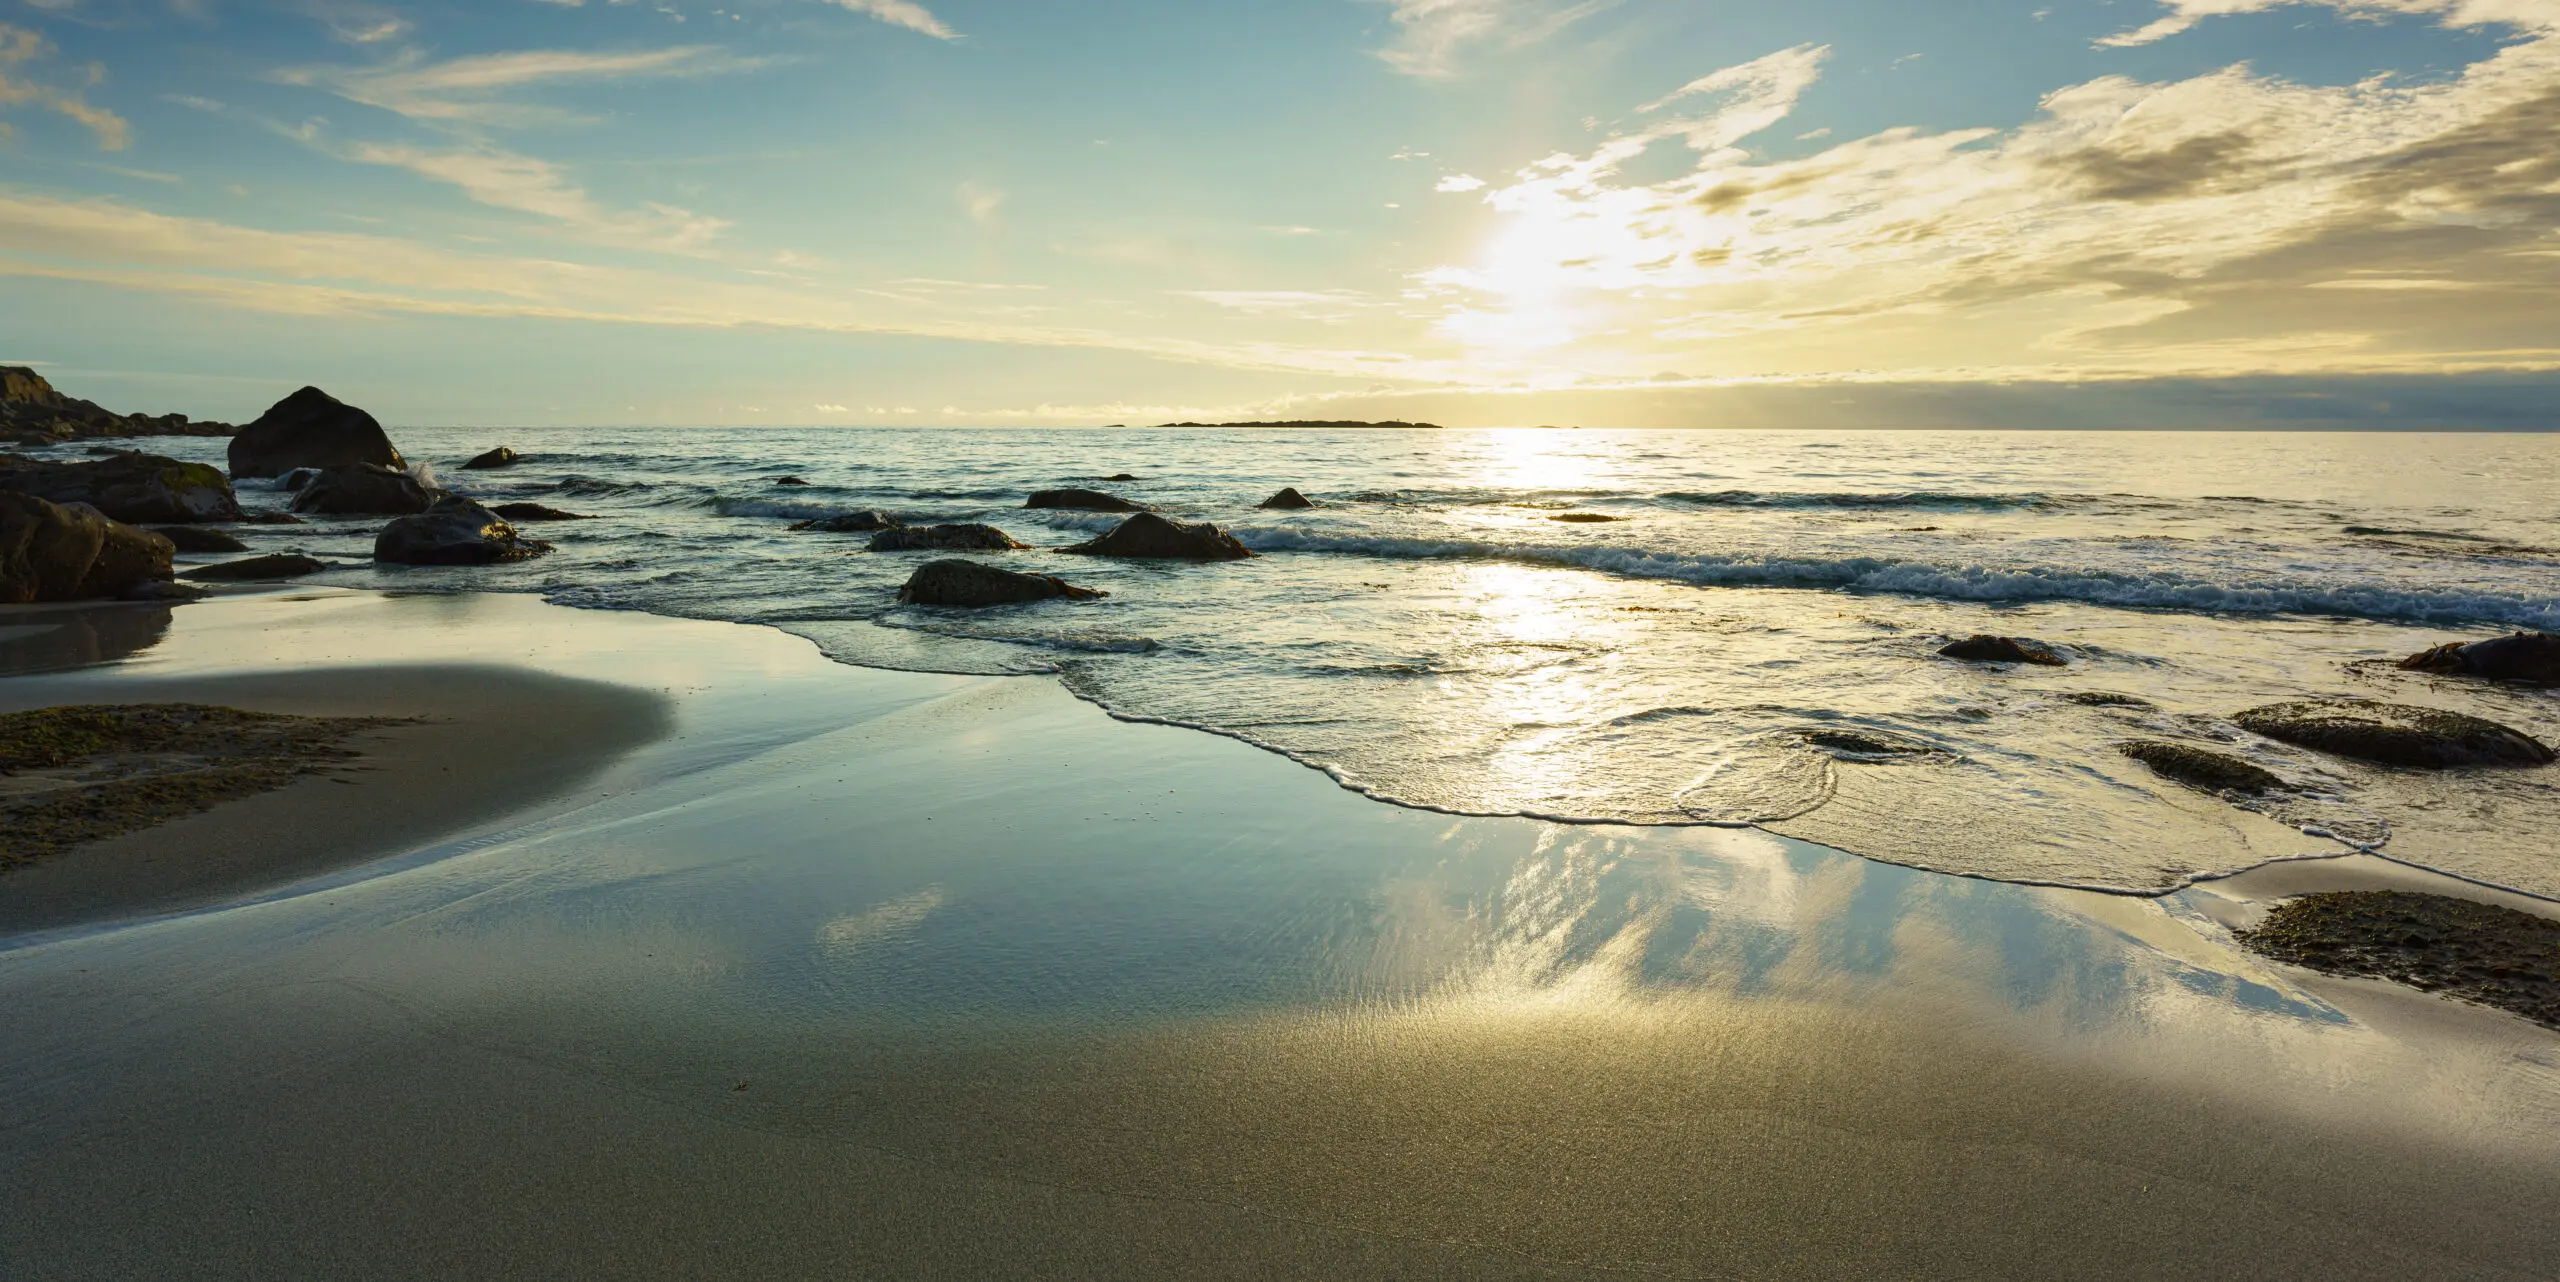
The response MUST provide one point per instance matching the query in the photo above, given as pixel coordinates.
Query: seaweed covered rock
(455, 531)
(50, 552)
(1986, 648)
(2394, 734)
(128, 487)
(196, 538)
(1082, 501)
(1287, 500)
(537, 512)
(1147, 536)
(2524, 656)
(494, 459)
(361, 489)
(1586, 518)
(955, 582)
(2485, 953)
(276, 565)
(2201, 767)
(945, 538)
(863, 522)
(311, 428)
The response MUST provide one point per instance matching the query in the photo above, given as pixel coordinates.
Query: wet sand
(855, 972)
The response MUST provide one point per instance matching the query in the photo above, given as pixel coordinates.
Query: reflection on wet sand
(55, 638)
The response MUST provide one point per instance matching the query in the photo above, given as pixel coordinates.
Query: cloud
(1433, 35)
(505, 180)
(981, 203)
(901, 13)
(357, 22)
(2183, 15)
(1298, 304)
(468, 91)
(19, 48)
(1459, 182)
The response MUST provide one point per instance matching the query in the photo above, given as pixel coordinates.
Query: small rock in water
(1082, 500)
(1585, 518)
(2105, 699)
(363, 489)
(2485, 953)
(537, 512)
(271, 518)
(956, 582)
(789, 480)
(1147, 536)
(2200, 767)
(1288, 499)
(2394, 734)
(1985, 648)
(497, 458)
(1119, 476)
(279, 565)
(196, 538)
(298, 478)
(1865, 744)
(455, 531)
(945, 538)
(851, 523)
(2524, 656)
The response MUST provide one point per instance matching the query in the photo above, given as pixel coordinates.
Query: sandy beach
(667, 948)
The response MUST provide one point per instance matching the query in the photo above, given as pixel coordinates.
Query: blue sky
(1672, 212)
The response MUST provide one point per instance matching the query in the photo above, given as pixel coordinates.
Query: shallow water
(1432, 636)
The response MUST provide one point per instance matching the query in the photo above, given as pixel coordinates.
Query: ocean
(1751, 639)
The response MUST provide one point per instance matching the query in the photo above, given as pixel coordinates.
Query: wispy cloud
(2183, 15)
(506, 180)
(1433, 36)
(472, 90)
(901, 13)
(20, 49)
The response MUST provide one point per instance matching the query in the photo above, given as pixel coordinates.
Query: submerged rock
(51, 552)
(790, 480)
(2485, 953)
(135, 488)
(956, 582)
(2524, 656)
(862, 522)
(1986, 648)
(2105, 699)
(272, 518)
(196, 538)
(945, 538)
(497, 458)
(1082, 500)
(455, 531)
(2201, 767)
(277, 565)
(537, 512)
(1287, 500)
(2394, 734)
(1147, 536)
(1585, 518)
(1120, 476)
(1863, 743)
(311, 428)
(363, 489)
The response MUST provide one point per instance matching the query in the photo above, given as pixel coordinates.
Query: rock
(49, 552)
(2525, 656)
(1288, 499)
(494, 459)
(2485, 953)
(128, 487)
(1119, 476)
(279, 565)
(193, 538)
(2201, 767)
(537, 512)
(2105, 699)
(967, 583)
(311, 428)
(163, 590)
(32, 411)
(1150, 537)
(789, 480)
(272, 518)
(1861, 743)
(851, 523)
(1585, 518)
(455, 531)
(1082, 500)
(2394, 734)
(298, 478)
(1985, 648)
(945, 538)
(361, 489)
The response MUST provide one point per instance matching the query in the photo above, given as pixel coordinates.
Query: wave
(1933, 500)
(597, 487)
(786, 509)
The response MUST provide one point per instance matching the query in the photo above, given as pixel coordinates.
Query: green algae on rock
(2484, 953)
(2200, 767)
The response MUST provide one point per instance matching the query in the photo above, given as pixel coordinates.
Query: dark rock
(195, 538)
(169, 590)
(1985, 648)
(1151, 537)
(128, 487)
(32, 411)
(537, 512)
(455, 531)
(2525, 656)
(2485, 953)
(1119, 476)
(497, 458)
(851, 523)
(298, 478)
(2105, 699)
(2394, 734)
(1288, 500)
(945, 538)
(2200, 767)
(50, 552)
(967, 583)
(1082, 500)
(272, 518)
(279, 565)
(1585, 518)
(311, 428)
(1862, 743)
(363, 489)
(789, 480)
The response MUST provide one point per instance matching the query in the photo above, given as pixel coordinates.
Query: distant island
(1314, 422)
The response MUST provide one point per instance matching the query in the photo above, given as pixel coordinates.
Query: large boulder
(863, 522)
(1986, 648)
(311, 428)
(2525, 656)
(2394, 734)
(455, 531)
(967, 583)
(196, 538)
(945, 538)
(360, 489)
(50, 552)
(497, 458)
(1150, 537)
(275, 565)
(1287, 500)
(1082, 500)
(128, 487)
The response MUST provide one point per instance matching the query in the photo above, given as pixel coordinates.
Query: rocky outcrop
(945, 538)
(537, 512)
(1985, 648)
(455, 531)
(33, 413)
(956, 582)
(1147, 536)
(311, 428)
(136, 488)
(863, 522)
(2201, 767)
(1287, 500)
(1082, 501)
(2394, 734)
(363, 489)
(494, 459)
(50, 552)
(2532, 657)
(277, 565)
(196, 538)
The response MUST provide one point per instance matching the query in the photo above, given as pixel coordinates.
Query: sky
(1694, 213)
